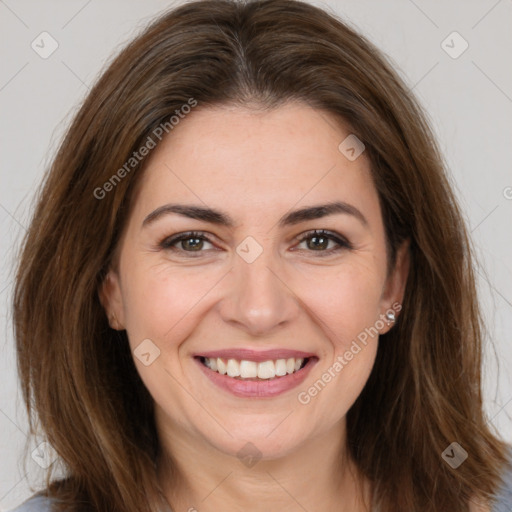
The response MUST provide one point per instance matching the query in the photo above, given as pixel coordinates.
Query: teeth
(281, 367)
(221, 366)
(266, 370)
(250, 369)
(233, 368)
(213, 364)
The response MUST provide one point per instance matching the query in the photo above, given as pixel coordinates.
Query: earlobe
(111, 299)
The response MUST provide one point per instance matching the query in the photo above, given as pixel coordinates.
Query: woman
(247, 284)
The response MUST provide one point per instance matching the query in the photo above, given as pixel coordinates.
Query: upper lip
(255, 355)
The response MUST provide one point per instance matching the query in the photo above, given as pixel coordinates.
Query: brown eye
(321, 241)
(194, 244)
(188, 242)
(317, 243)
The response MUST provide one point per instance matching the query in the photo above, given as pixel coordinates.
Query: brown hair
(78, 377)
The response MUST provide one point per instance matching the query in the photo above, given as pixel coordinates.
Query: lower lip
(261, 388)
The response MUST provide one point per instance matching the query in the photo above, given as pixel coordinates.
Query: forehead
(255, 161)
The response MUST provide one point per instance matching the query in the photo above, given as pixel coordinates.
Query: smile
(256, 374)
(245, 369)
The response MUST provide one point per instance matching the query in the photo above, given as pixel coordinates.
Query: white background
(469, 100)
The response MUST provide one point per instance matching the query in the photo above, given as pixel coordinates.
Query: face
(244, 302)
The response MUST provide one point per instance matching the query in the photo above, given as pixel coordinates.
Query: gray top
(504, 503)
(35, 504)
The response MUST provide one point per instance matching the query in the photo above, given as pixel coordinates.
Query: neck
(317, 476)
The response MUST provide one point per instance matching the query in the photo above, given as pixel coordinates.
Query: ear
(111, 299)
(394, 288)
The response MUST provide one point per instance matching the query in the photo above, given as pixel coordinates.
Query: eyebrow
(223, 219)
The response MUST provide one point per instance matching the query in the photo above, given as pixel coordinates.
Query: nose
(259, 299)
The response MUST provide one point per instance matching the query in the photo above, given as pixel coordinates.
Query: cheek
(346, 307)
(159, 303)
(346, 302)
(165, 306)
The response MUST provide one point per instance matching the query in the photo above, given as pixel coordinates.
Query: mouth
(246, 373)
(253, 370)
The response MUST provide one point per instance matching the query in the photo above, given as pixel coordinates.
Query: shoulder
(35, 504)
(503, 501)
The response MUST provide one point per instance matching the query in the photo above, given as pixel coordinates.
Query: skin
(255, 166)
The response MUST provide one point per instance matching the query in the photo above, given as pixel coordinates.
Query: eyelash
(169, 242)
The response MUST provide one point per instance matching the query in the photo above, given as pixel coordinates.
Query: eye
(325, 242)
(191, 242)
(320, 241)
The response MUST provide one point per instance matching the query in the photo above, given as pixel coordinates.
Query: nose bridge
(259, 298)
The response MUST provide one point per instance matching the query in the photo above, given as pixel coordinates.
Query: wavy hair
(79, 382)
